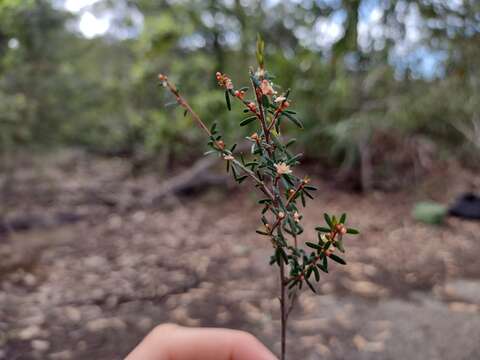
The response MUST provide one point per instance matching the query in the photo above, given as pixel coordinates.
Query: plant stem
(283, 310)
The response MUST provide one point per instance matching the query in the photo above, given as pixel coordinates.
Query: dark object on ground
(467, 207)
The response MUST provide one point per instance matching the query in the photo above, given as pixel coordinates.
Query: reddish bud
(341, 229)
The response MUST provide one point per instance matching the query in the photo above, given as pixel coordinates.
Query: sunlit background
(112, 221)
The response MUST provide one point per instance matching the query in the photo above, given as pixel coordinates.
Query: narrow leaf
(328, 220)
(313, 245)
(294, 120)
(310, 286)
(248, 120)
(227, 99)
(290, 142)
(317, 273)
(337, 259)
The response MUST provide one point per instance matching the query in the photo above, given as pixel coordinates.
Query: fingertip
(247, 346)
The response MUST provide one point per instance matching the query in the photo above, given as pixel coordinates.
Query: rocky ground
(92, 275)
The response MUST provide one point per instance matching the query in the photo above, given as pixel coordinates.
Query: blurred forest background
(371, 78)
(97, 242)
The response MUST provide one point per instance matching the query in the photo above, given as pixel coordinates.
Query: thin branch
(220, 146)
(283, 310)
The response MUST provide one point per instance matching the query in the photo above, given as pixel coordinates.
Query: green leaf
(309, 272)
(322, 229)
(310, 286)
(290, 142)
(343, 218)
(240, 179)
(293, 159)
(262, 232)
(227, 99)
(353, 231)
(213, 128)
(282, 254)
(323, 268)
(317, 273)
(339, 245)
(313, 245)
(294, 120)
(171, 103)
(307, 193)
(328, 220)
(248, 120)
(337, 259)
(320, 240)
(293, 284)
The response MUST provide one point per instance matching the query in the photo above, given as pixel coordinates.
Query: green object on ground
(429, 212)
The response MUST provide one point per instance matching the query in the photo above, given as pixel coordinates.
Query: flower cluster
(224, 81)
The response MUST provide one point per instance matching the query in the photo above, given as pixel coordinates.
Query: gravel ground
(91, 289)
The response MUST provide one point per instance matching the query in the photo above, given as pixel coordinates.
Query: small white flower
(283, 168)
(279, 99)
(296, 216)
(228, 157)
(266, 87)
(281, 215)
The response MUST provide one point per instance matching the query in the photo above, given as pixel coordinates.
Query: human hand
(172, 342)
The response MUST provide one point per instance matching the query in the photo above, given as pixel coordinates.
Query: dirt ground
(85, 275)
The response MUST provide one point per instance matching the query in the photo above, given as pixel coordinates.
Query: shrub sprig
(270, 166)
